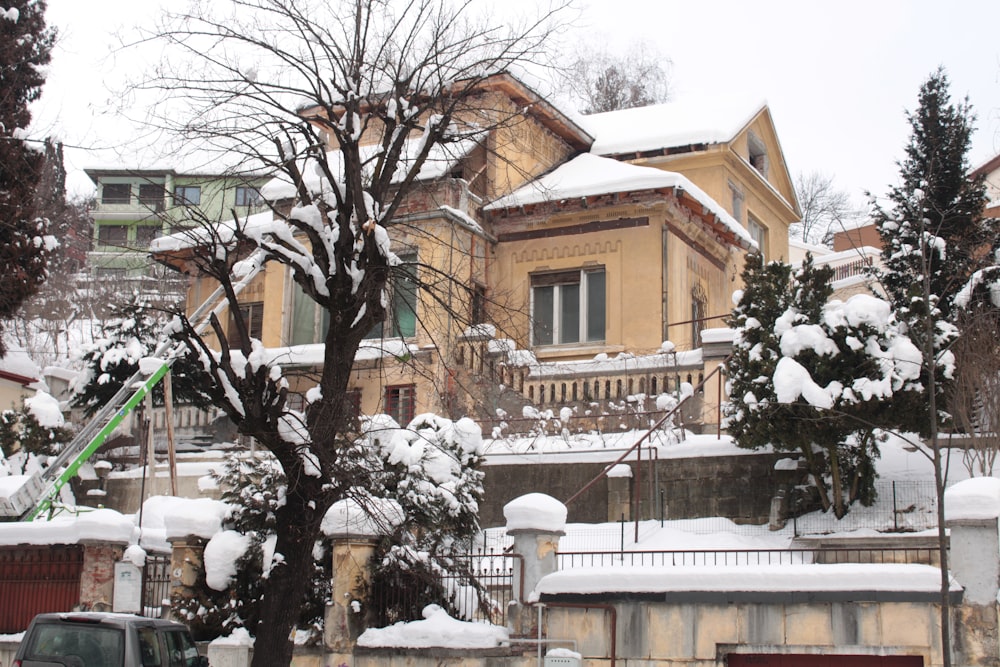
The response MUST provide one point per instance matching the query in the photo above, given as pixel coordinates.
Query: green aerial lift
(35, 498)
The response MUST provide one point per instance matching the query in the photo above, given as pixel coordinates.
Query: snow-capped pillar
(354, 534)
(620, 492)
(536, 522)
(972, 508)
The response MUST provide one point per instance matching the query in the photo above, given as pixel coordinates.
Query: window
(478, 314)
(247, 196)
(149, 647)
(309, 322)
(757, 154)
(180, 649)
(187, 195)
(144, 235)
(400, 403)
(759, 234)
(151, 196)
(402, 316)
(568, 307)
(253, 316)
(115, 235)
(737, 201)
(116, 193)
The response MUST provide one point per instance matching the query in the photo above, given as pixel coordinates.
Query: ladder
(36, 496)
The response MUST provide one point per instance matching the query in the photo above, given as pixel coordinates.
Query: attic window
(757, 154)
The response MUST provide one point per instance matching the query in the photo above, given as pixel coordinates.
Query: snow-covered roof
(18, 362)
(224, 232)
(440, 160)
(589, 175)
(694, 120)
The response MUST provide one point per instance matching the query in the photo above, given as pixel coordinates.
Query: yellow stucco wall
(671, 252)
(702, 634)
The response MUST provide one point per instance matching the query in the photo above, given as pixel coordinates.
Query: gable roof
(589, 175)
(701, 120)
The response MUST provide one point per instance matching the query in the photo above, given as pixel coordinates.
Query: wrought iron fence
(155, 585)
(480, 588)
(748, 557)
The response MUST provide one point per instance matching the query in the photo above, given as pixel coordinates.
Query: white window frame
(582, 308)
(758, 232)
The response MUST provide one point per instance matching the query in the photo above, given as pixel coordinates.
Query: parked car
(92, 639)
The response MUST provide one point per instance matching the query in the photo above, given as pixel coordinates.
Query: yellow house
(560, 254)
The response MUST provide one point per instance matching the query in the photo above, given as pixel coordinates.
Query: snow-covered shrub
(238, 559)
(431, 469)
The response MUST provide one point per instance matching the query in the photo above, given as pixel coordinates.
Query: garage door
(37, 579)
(810, 660)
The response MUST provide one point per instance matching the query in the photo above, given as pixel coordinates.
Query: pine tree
(133, 332)
(25, 48)
(935, 238)
(934, 226)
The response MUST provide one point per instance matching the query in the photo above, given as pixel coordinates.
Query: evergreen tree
(20, 431)
(815, 376)
(431, 471)
(934, 227)
(254, 487)
(25, 47)
(133, 332)
(935, 238)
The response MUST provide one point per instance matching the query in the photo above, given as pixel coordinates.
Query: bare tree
(601, 80)
(974, 397)
(347, 102)
(825, 209)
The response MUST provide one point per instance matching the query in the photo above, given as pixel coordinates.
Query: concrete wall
(738, 487)
(702, 634)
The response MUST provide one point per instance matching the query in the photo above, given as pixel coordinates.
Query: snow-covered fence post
(972, 509)
(354, 533)
(536, 522)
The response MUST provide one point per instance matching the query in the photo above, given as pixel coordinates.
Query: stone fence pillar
(536, 522)
(354, 531)
(972, 508)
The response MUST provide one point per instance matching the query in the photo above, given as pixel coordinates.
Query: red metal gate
(826, 660)
(35, 580)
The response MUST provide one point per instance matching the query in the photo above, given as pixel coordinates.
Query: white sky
(837, 75)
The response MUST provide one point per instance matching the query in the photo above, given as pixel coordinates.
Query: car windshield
(77, 644)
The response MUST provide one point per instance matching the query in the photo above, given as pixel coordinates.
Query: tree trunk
(287, 582)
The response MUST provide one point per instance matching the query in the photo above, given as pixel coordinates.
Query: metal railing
(747, 557)
(156, 585)
(480, 589)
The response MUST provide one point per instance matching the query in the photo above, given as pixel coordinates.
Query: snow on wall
(847, 577)
(437, 629)
(102, 525)
(976, 498)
